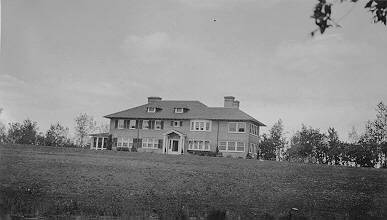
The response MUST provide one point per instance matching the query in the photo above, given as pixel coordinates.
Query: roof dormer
(179, 109)
(153, 108)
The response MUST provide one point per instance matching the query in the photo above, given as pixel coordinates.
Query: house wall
(213, 136)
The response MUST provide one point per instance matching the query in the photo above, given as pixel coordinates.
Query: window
(231, 146)
(124, 142)
(236, 127)
(240, 146)
(222, 145)
(179, 110)
(145, 124)
(200, 125)
(201, 145)
(254, 130)
(253, 148)
(132, 124)
(158, 125)
(151, 109)
(176, 123)
(120, 124)
(150, 143)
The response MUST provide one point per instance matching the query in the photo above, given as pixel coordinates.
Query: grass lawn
(47, 181)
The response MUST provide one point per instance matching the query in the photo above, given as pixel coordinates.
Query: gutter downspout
(217, 138)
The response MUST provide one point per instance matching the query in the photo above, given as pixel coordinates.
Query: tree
(57, 135)
(2, 128)
(277, 134)
(308, 144)
(84, 125)
(272, 145)
(323, 10)
(25, 133)
(334, 151)
(267, 150)
(104, 128)
(353, 137)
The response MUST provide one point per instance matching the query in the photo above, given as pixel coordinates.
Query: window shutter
(152, 124)
(171, 123)
(139, 145)
(160, 143)
(116, 123)
(181, 123)
(162, 125)
(140, 124)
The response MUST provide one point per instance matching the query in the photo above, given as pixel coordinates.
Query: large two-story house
(181, 127)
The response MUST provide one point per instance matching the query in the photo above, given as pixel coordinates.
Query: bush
(203, 153)
(122, 149)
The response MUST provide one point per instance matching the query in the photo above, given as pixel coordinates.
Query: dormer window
(151, 109)
(179, 110)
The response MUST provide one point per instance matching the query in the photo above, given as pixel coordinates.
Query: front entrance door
(173, 147)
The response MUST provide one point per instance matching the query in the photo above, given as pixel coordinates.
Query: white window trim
(236, 146)
(192, 147)
(179, 110)
(153, 109)
(134, 125)
(237, 127)
(122, 140)
(120, 124)
(143, 125)
(254, 130)
(156, 125)
(153, 141)
(193, 125)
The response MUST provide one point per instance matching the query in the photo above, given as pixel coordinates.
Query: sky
(63, 58)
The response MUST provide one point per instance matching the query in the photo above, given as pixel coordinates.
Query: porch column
(102, 142)
(96, 143)
(165, 144)
(182, 144)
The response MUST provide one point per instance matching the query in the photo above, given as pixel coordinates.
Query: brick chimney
(152, 99)
(236, 104)
(229, 101)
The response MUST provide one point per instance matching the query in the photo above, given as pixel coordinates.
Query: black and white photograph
(193, 109)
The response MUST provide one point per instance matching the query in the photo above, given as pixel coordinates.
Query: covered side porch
(99, 141)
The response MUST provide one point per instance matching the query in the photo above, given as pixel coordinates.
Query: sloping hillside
(48, 181)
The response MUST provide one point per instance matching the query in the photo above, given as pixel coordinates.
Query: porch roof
(99, 135)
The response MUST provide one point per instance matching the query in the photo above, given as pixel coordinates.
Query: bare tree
(84, 125)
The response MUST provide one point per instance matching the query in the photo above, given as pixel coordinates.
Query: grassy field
(46, 181)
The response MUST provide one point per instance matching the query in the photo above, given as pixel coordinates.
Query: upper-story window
(200, 125)
(236, 127)
(254, 130)
(132, 124)
(179, 110)
(151, 109)
(145, 124)
(120, 124)
(176, 123)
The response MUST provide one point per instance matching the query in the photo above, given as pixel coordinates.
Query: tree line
(368, 149)
(58, 135)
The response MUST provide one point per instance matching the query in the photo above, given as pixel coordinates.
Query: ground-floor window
(124, 142)
(231, 146)
(203, 145)
(150, 143)
(253, 148)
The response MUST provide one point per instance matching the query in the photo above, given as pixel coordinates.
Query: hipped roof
(197, 110)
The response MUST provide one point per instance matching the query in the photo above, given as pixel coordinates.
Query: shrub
(122, 149)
